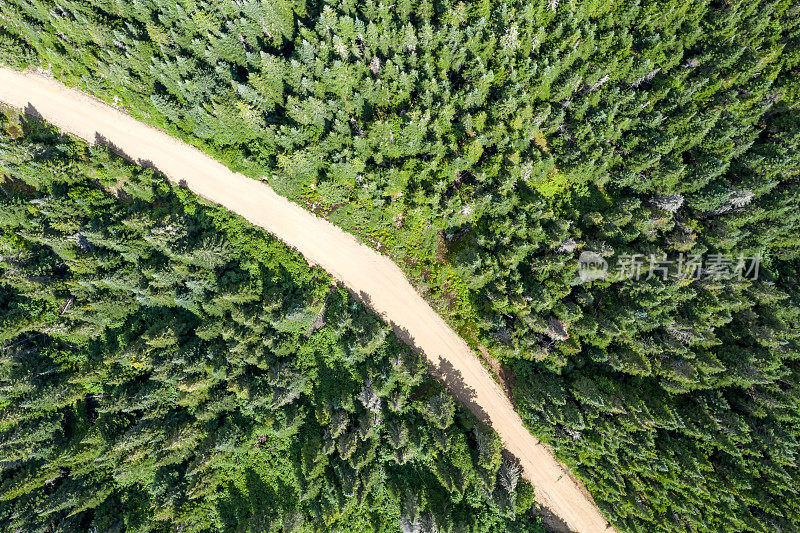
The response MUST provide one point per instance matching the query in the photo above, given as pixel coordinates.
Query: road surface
(378, 281)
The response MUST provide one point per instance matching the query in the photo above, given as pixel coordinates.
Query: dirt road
(364, 271)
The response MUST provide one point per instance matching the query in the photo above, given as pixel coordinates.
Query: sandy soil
(376, 278)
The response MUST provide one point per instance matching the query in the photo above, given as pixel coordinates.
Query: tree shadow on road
(31, 111)
(444, 371)
(35, 125)
(100, 140)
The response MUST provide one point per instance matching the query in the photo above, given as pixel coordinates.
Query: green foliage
(485, 146)
(163, 365)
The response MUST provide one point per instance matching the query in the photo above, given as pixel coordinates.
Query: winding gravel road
(376, 278)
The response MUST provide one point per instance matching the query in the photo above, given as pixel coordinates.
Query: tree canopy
(163, 366)
(487, 146)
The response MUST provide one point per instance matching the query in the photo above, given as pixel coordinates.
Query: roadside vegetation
(164, 365)
(485, 146)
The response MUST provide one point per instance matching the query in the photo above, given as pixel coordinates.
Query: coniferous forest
(491, 148)
(165, 366)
